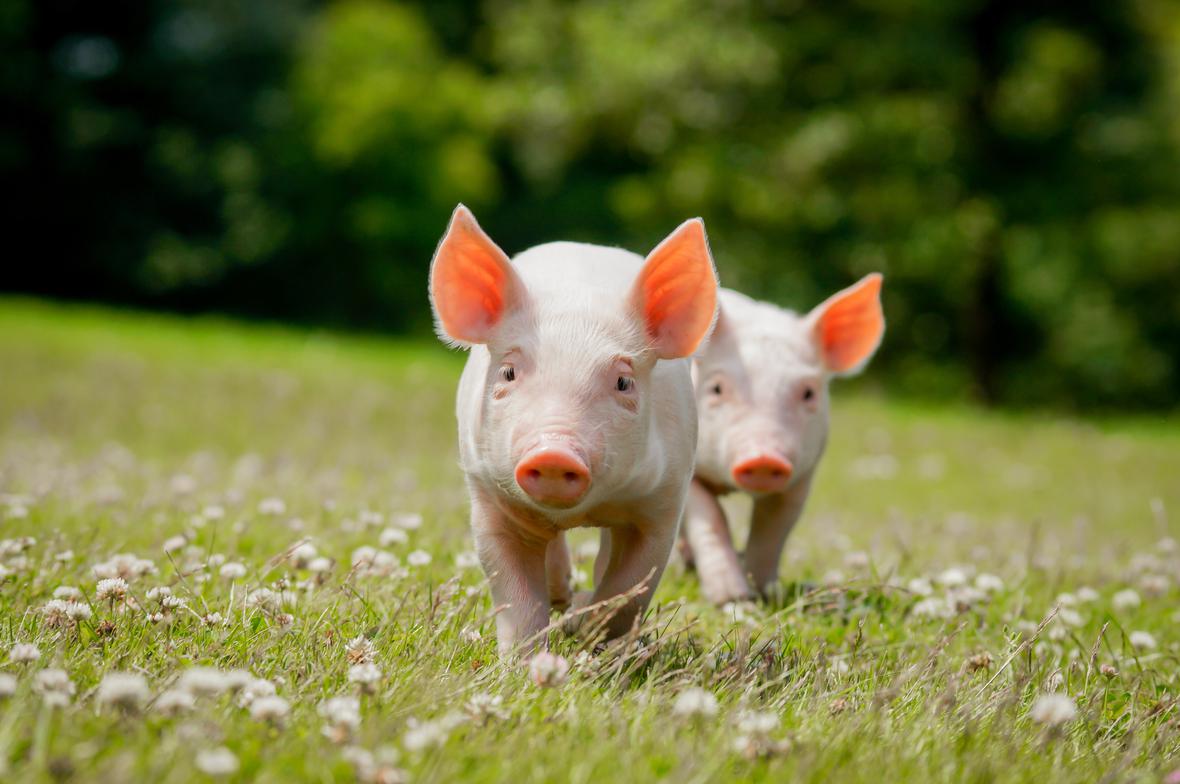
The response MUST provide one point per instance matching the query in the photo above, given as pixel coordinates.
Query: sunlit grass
(887, 658)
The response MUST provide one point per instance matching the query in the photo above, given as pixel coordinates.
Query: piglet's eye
(507, 373)
(625, 384)
(715, 389)
(808, 393)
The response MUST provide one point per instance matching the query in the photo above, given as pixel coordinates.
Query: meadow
(240, 552)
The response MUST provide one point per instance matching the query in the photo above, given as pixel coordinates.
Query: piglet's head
(762, 384)
(569, 392)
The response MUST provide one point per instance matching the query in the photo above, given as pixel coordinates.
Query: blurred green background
(1012, 167)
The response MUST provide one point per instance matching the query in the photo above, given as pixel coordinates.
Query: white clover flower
(271, 708)
(65, 556)
(124, 565)
(319, 565)
(365, 675)
(418, 558)
(757, 722)
(303, 554)
(7, 685)
(363, 556)
(360, 650)
(174, 702)
(430, 733)
(265, 599)
(79, 612)
(953, 577)
(857, 560)
(217, 762)
(56, 612)
(964, 597)
(920, 586)
(255, 689)
(232, 571)
(933, 607)
(989, 583)
(548, 669)
(213, 619)
(174, 543)
(1126, 599)
(237, 679)
(203, 681)
(1070, 617)
(272, 507)
(183, 484)
(840, 667)
(23, 653)
(832, 577)
(54, 686)
(371, 562)
(695, 701)
(342, 712)
(1067, 600)
(407, 520)
(392, 536)
(18, 564)
(362, 762)
(10, 547)
(1053, 709)
(1142, 641)
(1155, 584)
(173, 603)
(126, 690)
(213, 512)
(110, 589)
(67, 593)
(1086, 594)
(158, 593)
(370, 519)
(483, 706)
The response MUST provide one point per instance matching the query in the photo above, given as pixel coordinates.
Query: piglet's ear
(472, 283)
(675, 294)
(849, 325)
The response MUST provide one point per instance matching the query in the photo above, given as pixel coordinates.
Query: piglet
(576, 408)
(762, 395)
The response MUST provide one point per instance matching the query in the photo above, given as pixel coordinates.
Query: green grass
(118, 430)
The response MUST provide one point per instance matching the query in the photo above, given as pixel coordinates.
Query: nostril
(570, 476)
(534, 473)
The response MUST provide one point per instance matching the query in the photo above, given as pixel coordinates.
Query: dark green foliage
(1011, 167)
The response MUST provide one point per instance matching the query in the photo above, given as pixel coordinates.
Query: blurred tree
(1009, 166)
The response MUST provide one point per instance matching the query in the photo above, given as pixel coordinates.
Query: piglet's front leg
(722, 575)
(559, 572)
(514, 562)
(638, 555)
(770, 523)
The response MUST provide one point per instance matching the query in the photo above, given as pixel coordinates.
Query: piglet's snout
(764, 473)
(553, 474)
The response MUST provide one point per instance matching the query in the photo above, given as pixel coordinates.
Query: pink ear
(849, 325)
(472, 283)
(676, 291)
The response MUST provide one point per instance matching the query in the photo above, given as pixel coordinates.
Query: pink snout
(765, 473)
(553, 475)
